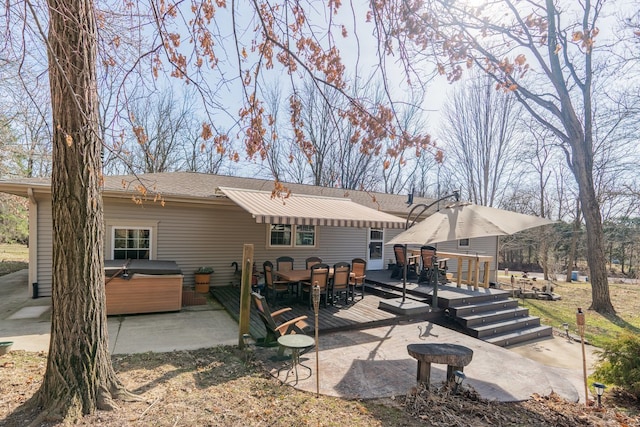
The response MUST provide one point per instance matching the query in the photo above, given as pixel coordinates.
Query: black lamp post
(458, 377)
(599, 391)
(412, 218)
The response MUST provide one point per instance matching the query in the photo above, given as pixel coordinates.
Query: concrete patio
(362, 364)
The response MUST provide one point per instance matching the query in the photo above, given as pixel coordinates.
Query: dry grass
(224, 386)
(14, 252)
(13, 257)
(599, 328)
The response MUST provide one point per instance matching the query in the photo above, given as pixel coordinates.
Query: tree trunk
(575, 229)
(79, 377)
(583, 171)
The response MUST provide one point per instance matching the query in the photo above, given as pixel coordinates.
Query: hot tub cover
(141, 266)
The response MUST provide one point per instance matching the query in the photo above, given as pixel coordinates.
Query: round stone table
(453, 355)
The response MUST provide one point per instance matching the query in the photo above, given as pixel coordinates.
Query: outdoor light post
(599, 391)
(316, 305)
(458, 377)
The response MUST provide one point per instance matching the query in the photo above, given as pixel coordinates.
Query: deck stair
(495, 317)
(389, 291)
(487, 314)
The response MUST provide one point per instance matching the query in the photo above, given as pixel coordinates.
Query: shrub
(620, 363)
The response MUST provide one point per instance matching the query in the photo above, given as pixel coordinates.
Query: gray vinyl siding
(45, 246)
(197, 235)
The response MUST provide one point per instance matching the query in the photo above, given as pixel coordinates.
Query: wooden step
(502, 327)
(492, 316)
(462, 299)
(390, 292)
(520, 336)
(482, 307)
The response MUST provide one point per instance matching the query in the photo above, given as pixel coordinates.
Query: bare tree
(25, 104)
(542, 52)
(81, 383)
(333, 156)
(480, 139)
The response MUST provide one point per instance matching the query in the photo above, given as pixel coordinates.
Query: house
(204, 220)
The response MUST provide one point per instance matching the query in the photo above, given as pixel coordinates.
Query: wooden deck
(362, 314)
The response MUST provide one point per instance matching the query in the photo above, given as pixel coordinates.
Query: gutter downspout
(495, 274)
(33, 240)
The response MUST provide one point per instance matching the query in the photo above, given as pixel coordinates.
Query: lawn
(13, 257)
(599, 329)
(224, 386)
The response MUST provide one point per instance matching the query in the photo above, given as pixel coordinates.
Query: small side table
(296, 343)
(453, 355)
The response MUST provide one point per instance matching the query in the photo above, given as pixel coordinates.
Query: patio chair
(319, 274)
(271, 286)
(311, 261)
(284, 263)
(340, 281)
(431, 271)
(272, 321)
(356, 280)
(401, 259)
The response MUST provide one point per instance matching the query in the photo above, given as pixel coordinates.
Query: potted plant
(203, 278)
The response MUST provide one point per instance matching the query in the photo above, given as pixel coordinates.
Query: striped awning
(302, 209)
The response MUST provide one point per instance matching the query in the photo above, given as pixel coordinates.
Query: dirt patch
(226, 386)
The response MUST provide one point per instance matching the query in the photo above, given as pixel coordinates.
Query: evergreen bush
(619, 364)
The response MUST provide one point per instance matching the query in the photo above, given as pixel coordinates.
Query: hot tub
(142, 286)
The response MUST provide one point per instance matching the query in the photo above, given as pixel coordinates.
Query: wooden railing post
(245, 293)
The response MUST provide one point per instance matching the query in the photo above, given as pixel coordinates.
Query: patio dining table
(295, 277)
(300, 275)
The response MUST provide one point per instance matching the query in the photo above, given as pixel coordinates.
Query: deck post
(245, 293)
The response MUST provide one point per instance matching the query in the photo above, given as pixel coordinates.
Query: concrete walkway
(374, 363)
(364, 364)
(27, 322)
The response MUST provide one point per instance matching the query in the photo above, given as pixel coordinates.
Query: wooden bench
(453, 355)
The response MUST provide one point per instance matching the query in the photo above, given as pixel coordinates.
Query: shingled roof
(204, 187)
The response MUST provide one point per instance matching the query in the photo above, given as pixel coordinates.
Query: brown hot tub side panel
(144, 294)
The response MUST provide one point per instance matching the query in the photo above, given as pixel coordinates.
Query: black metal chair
(272, 286)
(311, 261)
(432, 269)
(340, 281)
(356, 280)
(401, 260)
(320, 275)
(284, 263)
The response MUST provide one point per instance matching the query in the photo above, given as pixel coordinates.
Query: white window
(305, 235)
(287, 235)
(280, 235)
(131, 243)
(463, 243)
